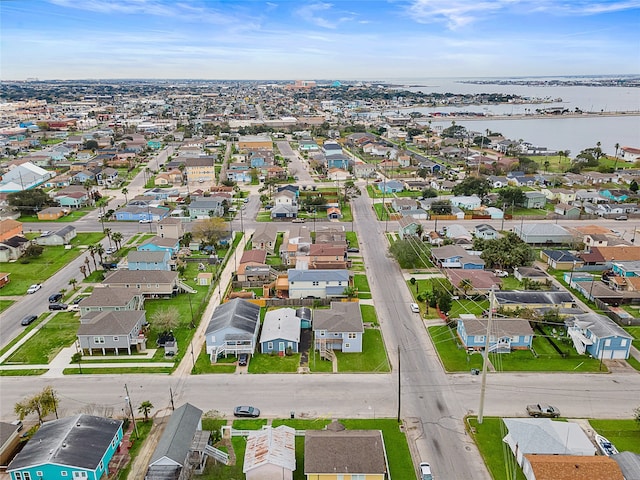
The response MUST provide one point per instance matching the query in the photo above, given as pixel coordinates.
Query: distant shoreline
(527, 117)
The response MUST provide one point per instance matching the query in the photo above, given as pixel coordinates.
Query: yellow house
(340, 454)
(200, 170)
(52, 213)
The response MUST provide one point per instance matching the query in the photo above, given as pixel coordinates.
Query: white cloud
(455, 13)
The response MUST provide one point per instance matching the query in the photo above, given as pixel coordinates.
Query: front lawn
(635, 333)
(267, 363)
(372, 359)
(361, 283)
(496, 454)
(58, 333)
(624, 434)
(369, 315)
(453, 356)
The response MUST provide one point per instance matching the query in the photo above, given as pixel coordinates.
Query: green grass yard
(624, 434)
(496, 454)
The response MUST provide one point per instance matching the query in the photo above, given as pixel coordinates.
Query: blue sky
(275, 39)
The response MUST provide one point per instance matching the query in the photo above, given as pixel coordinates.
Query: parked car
(144, 220)
(501, 273)
(245, 411)
(243, 358)
(425, 471)
(111, 250)
(55, 298)
(542, 410)
(353, 250)
(297, 220)
(58, 306)
(621, 217)
(46, 233)
(28, 320)
(34, 288)
(415, 308)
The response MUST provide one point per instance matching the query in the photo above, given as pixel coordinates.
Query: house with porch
(485, 231)
(454, 256)
(507, 334)
(339, 328)
(113, 331)
(265, 237)
(233, 329)
(78, 447)
(561, 259)
(599, 336)
(62, 236)
(170, 227)
(280, 332)
(104, 298)
(408, 227)
(390, 186)
(534, 199)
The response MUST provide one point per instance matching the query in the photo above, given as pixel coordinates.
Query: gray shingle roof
(237, 313)
(112, 323)
(135, 256)
(177, 437)
(141, 276)
(533, 297)
(600, 325)
(341, 317)
(344, 452)
(79, 441)
(318, 275)
(110, 297)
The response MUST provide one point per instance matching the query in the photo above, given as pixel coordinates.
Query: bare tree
(166, 318)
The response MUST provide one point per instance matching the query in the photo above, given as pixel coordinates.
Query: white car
(425, 471)
(144, 220)
(501, 273)
(34, 288)
(415, 308)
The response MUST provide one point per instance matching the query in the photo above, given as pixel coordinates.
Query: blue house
(391, 186)
(507, 334)
(599, 336)
(339, 328)
(626, 269)
(78, 447)
(160, 244)
(615, 194)
(454, 256)
(257, 161)
(233, 329)
(135, 213)
(280, 332)
(149, 260)
(154, 144)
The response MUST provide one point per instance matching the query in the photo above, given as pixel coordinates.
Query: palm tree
(124, 192)
(73, 282)
(100, 251)
(107, 232)
(546, 165)
(83, 271)
(465, 285)
(88, 264)
(144, 408)
(92, 252)
(117, 238)
(615, 164)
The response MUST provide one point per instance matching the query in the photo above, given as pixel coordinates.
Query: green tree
(29, 201)
(441, 207)
(465, 285)
(77, 358)
(91, 145)
(636, 414)
(124, 192)
(73, 282)
(429, 193)
(145, 408)
(506, 252)
(186, 239)
(633, 186)
(92, 252)
(211, 230)
(350, 292)
(511, 196)
(444, 303)
(42, 404)
(33, 250)
(473, 185)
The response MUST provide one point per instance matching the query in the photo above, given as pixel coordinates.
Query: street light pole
(133, 417)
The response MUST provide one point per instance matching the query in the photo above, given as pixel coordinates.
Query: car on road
(297, 220)
(110, 250)
(55, 298)
(34, 288)
(243, 358)
(246, 411)
(58, 306)
(541, 410)
(621, 217)
(415, 308)
(425, 471)
(28, 320)
(144, 220)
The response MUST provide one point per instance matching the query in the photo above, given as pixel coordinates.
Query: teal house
(78, 447)
(154, 144)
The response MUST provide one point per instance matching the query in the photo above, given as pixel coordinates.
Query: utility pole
(133, 417)
(486, 358)
(173, 407)
(399, 386)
